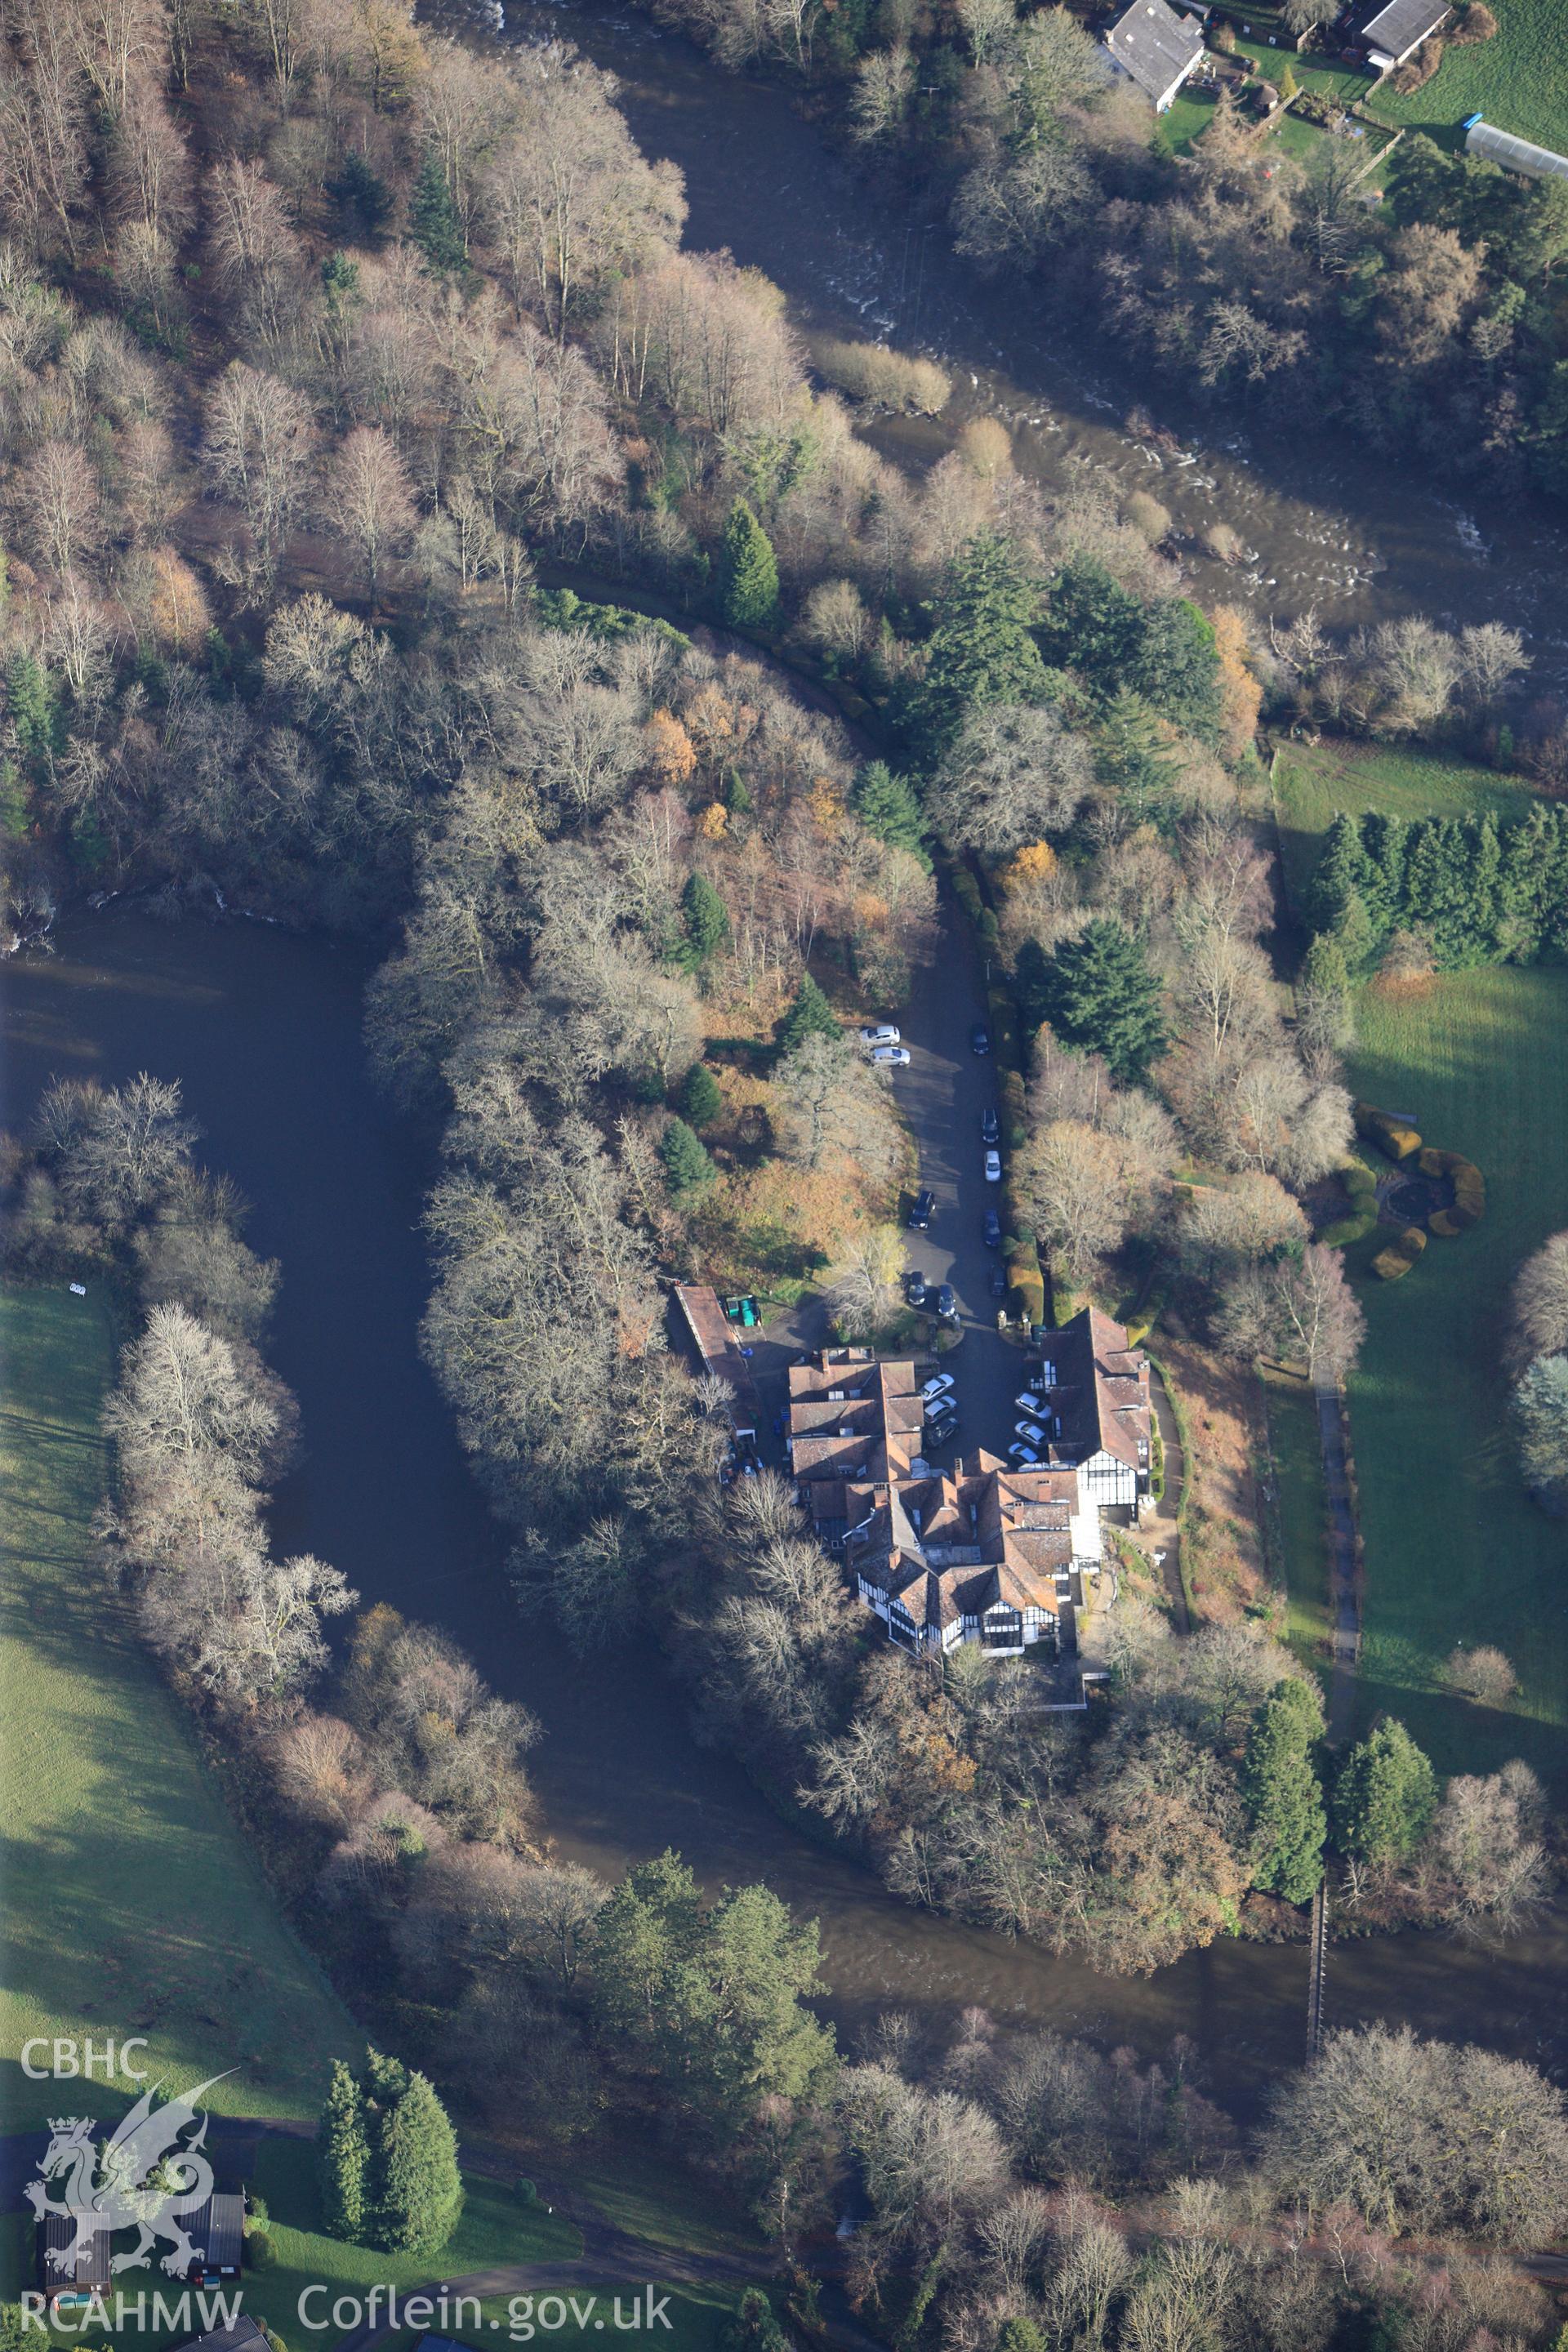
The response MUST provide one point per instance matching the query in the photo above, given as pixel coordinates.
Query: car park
(990, 1127)
(946, 1301)
(1030, 1432)
(914, 1287)
(992, 1230)
(923, 1210)
(939, 1384)
(994, 1168)
(980, 1038)
(882, 1033)
(890, 1057)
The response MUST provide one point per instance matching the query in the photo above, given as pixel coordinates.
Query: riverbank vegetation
(1249, 268)
(104, 1779)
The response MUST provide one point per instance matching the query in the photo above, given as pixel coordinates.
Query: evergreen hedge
(1477, 890)
(1390, 1134)
(1361, 1187)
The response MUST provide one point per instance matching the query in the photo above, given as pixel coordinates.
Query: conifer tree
(343, 2157)
(687, 1166)
(1279, 1788)
(748, 571)
(705, 917)
(981, 649)
(432, 219)
(700, 1099)
(1386, 1797)
(888, 806)
(810, 1015)
(1099, 994)
(418, 2188)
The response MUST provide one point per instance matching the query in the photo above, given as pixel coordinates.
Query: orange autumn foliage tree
(671, 758)
(1240, 693)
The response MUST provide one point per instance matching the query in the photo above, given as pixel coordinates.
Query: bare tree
(1540, 1304)
(1015, 775)
(862, 1291)
(368, 496)
(257, 449)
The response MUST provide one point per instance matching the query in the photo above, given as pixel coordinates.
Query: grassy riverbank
(1454, 1551)
(132, 1904)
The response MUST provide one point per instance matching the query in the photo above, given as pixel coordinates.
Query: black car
(1000, 1285)
(980, 1038)
(946, 1301)
(992, 1230)
(914, 1287)
(923, 1210)
(990, 1127)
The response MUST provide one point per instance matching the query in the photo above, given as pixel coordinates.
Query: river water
(1325, 522)
(262, 1028)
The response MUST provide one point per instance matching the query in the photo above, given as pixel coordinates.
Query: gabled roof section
(1155, 45)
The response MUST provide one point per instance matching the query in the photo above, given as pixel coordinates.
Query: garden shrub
(1400, 1256)
(1390, 1134)
(1360, 1188)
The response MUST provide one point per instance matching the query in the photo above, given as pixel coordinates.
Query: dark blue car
(990, 1127)
(992, 1230)
(980, 1038)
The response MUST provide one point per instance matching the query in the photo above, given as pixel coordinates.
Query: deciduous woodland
(349, 379)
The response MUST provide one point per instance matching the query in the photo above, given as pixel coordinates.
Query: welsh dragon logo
(144, 2178)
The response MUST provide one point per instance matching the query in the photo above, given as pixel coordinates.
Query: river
(1324, 521)
(262, 1029)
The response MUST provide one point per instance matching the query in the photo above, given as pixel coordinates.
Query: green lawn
(497, 2228)
(1314, 783)
(1299, 1514)
(133, 1907)
(1454, 1551)
(1520, 80)
(1187, 117)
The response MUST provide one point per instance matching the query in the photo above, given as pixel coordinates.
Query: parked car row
(941, 1394)
(885, 1046)
(935, 1297)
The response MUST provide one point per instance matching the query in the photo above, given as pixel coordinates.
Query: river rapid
(1324, 521)
(262, 1029)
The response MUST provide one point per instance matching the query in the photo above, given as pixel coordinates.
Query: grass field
(1454, 1551)
(1299, 1514)
(1520, 80)
(132, 1904)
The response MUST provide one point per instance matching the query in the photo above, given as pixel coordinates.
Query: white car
(994, 1168)
(884, 1033)
(939, 1384)
(1030, 1432)
(891, 1057)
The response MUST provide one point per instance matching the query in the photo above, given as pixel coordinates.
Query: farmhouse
(1155, 47)
(1513, 154)
(989, 1555)
(1397, 30)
